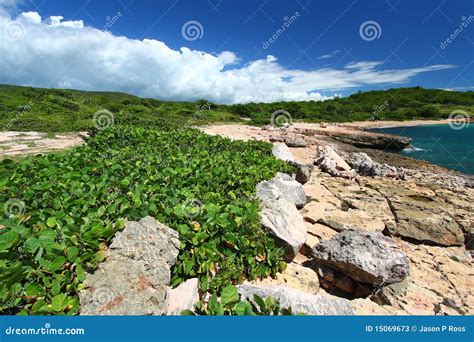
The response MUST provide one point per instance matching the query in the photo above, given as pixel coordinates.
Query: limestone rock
(183, 297)
(300, 302)
(321, 231)
(329, 161)
(367, 257)
(282, 152)
(134, 278)
(282, 186)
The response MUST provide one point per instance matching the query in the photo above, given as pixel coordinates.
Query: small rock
(300, 302)
(282, 186)
(303, 171)
(282, 152)
(330, 162)
(367, 257)
(294, 141)
(183, 297)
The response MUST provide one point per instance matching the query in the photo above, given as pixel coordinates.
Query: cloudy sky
(236, 51)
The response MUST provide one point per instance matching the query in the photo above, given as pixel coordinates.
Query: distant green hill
(28, 108)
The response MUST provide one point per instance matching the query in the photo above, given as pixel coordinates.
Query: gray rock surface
(282, 186)
(134, 278)
(367, 257)
(282, 152)
(300, 302)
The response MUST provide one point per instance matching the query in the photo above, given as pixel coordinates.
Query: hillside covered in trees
(28, 108)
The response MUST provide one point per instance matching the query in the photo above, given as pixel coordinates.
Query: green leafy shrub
(229, 304)
(73, 203)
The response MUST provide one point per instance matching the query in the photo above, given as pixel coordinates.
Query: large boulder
(282, 152)
(300, 302)
(284, 223)
(367, 257)
(282, 186)
(135, 276)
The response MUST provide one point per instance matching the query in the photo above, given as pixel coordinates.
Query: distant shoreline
(392, 124)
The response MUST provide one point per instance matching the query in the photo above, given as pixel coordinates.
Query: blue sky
(313, 54)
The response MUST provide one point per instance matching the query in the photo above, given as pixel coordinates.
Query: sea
(451, 146)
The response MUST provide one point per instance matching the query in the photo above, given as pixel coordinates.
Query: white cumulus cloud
(53, 52)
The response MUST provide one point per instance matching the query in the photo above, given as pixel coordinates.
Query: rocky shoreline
(388, 238)
(361, 236)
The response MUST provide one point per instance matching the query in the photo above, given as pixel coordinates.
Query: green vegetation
(229, 304)
(394, 104)
(64, 208)
(53, 110)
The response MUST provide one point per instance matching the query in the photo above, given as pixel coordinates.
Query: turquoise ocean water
(440, 144)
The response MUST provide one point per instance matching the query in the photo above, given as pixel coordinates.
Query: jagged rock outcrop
(331, 162)
(282, 152)
(367, 257)
(365, 166)
(134, 278)
(300, 302)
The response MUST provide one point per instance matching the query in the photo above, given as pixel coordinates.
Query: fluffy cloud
(52, 52)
